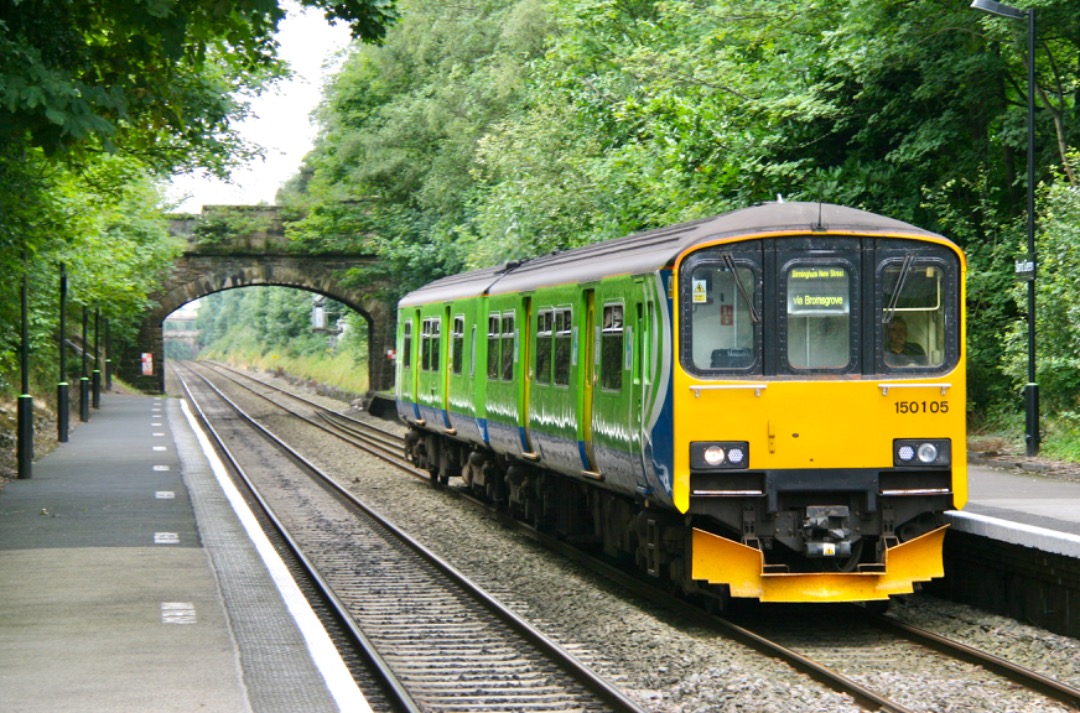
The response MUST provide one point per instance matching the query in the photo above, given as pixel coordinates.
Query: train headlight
(927, 453)
(917, 452)
(715, 455)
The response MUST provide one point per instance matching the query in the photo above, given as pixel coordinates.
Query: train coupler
(826, 531)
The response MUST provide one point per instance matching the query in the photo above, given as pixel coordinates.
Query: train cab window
(611, 348)
(430, 336)
(724, 309)
(818, 315)
(564, 325)
(508, 340)
(913, 324)
(406, 345)
(457, 344)
(544, 346)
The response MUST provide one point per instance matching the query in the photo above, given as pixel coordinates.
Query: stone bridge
(243, 246)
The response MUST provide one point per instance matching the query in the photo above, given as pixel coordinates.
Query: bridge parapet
(233, 230)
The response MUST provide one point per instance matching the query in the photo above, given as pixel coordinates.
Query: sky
(281, 122)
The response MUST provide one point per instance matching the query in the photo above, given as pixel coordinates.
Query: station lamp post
(24, 445)
(1026, 268)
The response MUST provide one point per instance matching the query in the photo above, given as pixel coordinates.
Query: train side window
(406, 345)
(611, 348)
(913, 323)
(818, 315)
(564, 325)
(429, 343)
(543, 346)
(508, 346)
(457, 352)
(494, 336)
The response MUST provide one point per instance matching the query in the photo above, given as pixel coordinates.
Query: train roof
(654, 250)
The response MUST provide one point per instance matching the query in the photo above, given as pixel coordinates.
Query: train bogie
(730, 403)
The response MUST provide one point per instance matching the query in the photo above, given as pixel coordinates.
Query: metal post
(1031, 390)
(84, 380)
(62, 388)
(96, 380)
(25, 413)
(108, 356)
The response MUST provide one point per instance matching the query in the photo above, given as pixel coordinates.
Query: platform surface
(127, 583)
(1021, 508)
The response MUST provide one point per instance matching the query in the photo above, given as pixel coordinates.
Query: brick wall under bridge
(256, 257)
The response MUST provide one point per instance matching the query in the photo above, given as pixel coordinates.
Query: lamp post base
(1031, 410)
(25, 445)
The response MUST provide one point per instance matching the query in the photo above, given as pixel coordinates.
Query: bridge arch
(250, 259)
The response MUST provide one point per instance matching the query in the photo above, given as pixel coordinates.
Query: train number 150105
(922, 407)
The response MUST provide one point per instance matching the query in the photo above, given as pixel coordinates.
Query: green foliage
(270, 328)
(500, 129)
(224, 223)
(158, 78)
(1057, 308)
(102, 223)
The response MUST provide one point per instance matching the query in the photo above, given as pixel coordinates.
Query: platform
(1022, 508)
(128, 582)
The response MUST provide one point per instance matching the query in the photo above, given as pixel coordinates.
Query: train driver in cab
(898, 350)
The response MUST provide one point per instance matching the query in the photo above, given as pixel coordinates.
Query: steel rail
(584, 676)
(1032, 680)
(380, 450)
(397, 693)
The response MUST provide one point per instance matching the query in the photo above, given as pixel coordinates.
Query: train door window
(544, 346)
(494, 336)
(457, 344)
(406, 345)
(429, 343)
(819, 324)
(913, 324)
(611, 348)
(564, 325)
(723, 307)
(508, 339)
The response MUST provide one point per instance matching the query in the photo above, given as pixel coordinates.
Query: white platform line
(1016, 533)
(324, 654)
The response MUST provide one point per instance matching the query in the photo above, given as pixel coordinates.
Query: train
(768, 404)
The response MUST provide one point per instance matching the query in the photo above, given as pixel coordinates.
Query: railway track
(821, 651)
(441, 644)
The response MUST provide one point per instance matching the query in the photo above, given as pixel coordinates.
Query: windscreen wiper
(905, 270)
(729, 261)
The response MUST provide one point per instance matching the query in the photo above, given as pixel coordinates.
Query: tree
(156, 78)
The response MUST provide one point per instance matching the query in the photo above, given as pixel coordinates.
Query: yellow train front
(818, 398)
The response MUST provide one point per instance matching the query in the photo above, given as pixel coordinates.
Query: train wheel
(434, 458)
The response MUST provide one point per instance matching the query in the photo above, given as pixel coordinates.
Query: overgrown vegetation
(270, 329)
(488, 130)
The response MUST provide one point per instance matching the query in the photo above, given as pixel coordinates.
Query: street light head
(1000, 9)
